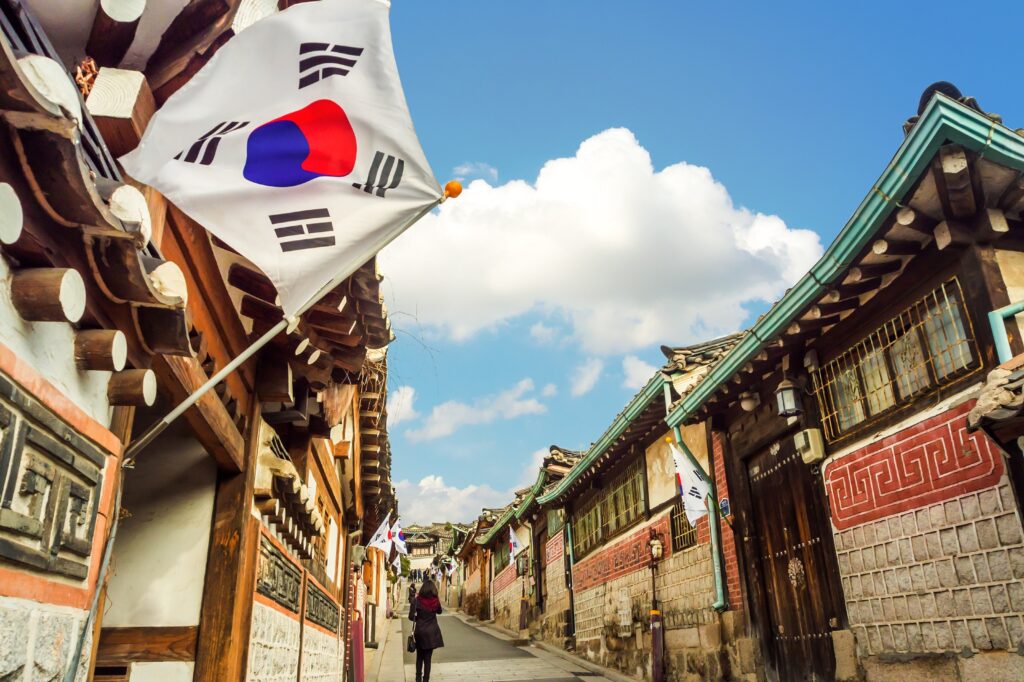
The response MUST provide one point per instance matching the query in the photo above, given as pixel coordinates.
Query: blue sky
(724, 147)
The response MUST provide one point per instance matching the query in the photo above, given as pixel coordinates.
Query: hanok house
(238, 548)
(878, 537)
(475, 564)
(511, 581)
(621, 501)
(550, 613)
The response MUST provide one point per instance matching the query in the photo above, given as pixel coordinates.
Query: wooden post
(895, 247)
(951, 233)
(113, 30)
(101, 349)
(132, 387)
(226, 614)
(48, 294)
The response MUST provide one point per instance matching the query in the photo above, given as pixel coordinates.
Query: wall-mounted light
(655, 546)
(788, 397)
(749, 400)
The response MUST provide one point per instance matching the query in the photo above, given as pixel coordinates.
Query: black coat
(428, 632)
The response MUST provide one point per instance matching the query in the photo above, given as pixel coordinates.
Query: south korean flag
(693, 486)
(294, 145)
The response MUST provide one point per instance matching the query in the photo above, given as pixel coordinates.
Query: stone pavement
(474, 653)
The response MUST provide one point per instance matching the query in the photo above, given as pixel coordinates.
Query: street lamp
(657, 550)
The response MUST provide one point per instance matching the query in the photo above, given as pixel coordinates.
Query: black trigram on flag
(313, 228)
(385, 173)
(323, 60)
(693, 492)
(205, 148)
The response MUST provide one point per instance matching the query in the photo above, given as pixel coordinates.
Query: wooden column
(226, 614)
(113, 30)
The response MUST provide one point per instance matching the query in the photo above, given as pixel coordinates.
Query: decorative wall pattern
(554, 549)
(624, 557)
(504, 579)
(321, 656)
(50, 480)
(277, 577)
(929, 462)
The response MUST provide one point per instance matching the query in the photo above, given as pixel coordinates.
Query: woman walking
(423, 612)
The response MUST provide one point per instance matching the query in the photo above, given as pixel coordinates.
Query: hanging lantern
(788, 397)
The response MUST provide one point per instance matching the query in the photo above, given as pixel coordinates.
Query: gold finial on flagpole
(452, 190)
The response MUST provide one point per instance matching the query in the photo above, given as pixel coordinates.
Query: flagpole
(452, 189)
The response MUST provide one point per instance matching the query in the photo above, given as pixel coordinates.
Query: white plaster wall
(48, 347)
(165, 671)
(159, 560)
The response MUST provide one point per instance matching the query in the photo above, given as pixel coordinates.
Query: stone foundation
(37, 641)
(508, 594)
(273, 645)
(322, 656)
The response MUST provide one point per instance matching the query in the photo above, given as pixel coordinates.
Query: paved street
(473, 653)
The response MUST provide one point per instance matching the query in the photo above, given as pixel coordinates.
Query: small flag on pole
(398, 537)
(514, 546)
(294, 145)
(382, 537)
(693, 486)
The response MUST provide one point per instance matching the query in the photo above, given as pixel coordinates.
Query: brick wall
(507, 599)
(929, 542)
(732, 571)
(620, 557)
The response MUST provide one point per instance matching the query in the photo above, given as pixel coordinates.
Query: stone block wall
(37, 640)
(322, 655)
(930, 547)
(554, 619)
(273, 645)
(508, 591)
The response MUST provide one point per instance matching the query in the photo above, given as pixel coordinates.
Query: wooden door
(792, 553)
(540, 542)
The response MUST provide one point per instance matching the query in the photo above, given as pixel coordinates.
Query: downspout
(714, 525)
(997, 321)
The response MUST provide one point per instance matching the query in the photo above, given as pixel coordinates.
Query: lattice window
(929, 344)
(616, 507)
(683, 534)
(501, 556)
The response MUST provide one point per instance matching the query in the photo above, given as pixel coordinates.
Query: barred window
(924, 347)
(501, 557)
(683, 534)
(614, 508)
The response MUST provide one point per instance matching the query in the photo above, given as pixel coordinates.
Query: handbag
(410, 644)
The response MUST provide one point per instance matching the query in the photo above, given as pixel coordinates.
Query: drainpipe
(714, 525)
(997, 320)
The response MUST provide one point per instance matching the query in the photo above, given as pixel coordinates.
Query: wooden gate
(794, 565)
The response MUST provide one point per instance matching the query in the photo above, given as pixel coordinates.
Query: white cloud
(636, 372)
(630, 256)
(448, 417)
(433, 500)
(549, 391)
(400, 406)
(585, 376)
(475, 169)
(543, 333)
(529, 476)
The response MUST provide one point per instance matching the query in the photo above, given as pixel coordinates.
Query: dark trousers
(423, 664)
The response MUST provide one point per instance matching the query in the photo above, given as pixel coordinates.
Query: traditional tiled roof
(1000, 407)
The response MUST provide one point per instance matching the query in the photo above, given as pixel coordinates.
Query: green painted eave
(531, 497)
(943, 121)
(634, 409)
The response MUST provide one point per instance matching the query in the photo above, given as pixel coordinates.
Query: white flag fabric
(382, 537)
(514, 546)
(398, 537)
(693, 486)
(294, 145)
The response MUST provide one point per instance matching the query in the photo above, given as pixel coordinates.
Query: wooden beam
(101, 349)
(11, 216)
(208, 418)
(869, 271)
(913, 220)
(895, 247)
(956, 175)
(274, 377)
(113, 30)
(991, 224)
(828, 309)
(226, 610)
(255, 283)
(48, 294)
(200, 29)
(952, 233)
(120, 646)
(854, 289)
